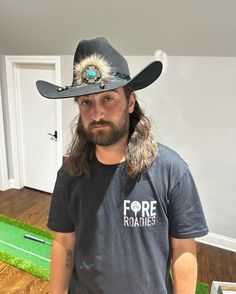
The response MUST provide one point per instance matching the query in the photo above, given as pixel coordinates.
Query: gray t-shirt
(123, 225)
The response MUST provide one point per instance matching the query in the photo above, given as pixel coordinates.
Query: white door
(37, 119)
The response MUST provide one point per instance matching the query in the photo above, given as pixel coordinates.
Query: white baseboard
(11, 184)
(218, 241)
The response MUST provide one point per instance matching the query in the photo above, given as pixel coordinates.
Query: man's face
(105, 116)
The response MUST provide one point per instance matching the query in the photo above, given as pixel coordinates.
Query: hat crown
(98, 67)
(100, 46)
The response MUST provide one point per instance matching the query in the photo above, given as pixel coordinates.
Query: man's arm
(62, 262)
(184, 265)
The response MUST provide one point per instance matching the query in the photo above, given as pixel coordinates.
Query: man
(125, 209)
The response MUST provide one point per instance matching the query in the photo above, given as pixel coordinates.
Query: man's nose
(97, 112)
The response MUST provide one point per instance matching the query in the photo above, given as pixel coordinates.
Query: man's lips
(98, 125)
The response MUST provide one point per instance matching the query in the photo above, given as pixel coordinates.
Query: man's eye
(85, 102)
(108, 98)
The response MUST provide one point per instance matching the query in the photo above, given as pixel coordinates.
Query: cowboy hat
(98, 67)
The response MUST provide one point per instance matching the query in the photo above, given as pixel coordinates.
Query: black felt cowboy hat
(98, 67)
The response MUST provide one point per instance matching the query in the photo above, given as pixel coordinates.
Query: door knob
(54, 136)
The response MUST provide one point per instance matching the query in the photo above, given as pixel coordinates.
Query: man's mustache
(99, 123)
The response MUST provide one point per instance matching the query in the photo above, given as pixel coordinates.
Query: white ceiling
(134, 27)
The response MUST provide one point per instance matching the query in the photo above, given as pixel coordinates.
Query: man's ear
(132, 99)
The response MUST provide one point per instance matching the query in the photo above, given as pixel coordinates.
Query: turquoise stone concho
(91, 74)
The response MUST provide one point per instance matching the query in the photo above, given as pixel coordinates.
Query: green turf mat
(26, 254)
(202, 288)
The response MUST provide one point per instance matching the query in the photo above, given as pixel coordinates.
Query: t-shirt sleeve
(186, 217)
(59, 219)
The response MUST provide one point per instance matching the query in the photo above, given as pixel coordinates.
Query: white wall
(193, 108)
(69, 107)
(3, 154)
(5, 129)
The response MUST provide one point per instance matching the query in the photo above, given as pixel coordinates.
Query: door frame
(13, 96)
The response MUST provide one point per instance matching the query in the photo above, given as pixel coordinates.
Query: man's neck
(112, 154)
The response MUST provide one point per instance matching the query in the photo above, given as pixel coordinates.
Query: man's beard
(108, 135)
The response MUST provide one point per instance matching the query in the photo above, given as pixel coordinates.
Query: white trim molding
(3, 153)
(219, 241)
(11, 63)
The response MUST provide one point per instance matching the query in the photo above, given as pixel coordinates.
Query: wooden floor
(31, 207)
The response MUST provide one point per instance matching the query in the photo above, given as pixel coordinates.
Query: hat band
(113, 76)
(121, 76)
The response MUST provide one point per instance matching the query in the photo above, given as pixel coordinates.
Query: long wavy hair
(140, 151)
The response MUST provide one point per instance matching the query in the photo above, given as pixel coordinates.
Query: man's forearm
(62, 262)
(184, 268)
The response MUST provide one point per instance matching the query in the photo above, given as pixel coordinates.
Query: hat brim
(141, 80)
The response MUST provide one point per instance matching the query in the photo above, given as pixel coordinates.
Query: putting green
(26, 254)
